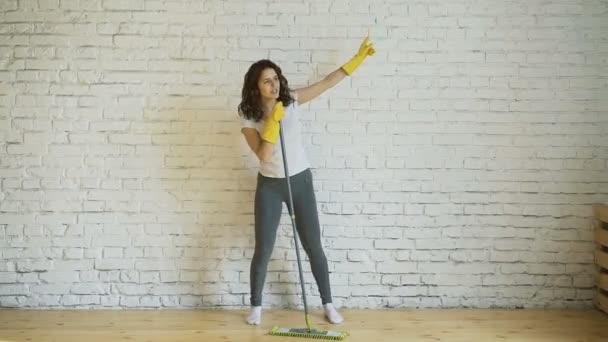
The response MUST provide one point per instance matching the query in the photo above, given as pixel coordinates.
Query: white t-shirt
(296, 155)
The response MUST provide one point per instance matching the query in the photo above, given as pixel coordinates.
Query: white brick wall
(455, 169)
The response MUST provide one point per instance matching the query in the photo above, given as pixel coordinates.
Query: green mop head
(309, 333)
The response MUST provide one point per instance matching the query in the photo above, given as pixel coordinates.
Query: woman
(266, 100)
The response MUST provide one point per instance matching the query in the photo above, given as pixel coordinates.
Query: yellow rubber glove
(270, 132)
(366, 49)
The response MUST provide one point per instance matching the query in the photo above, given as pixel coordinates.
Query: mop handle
(293, 222)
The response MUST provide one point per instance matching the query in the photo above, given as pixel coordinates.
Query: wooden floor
(462, 325)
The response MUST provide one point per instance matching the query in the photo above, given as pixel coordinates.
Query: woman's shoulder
(294, 96)
(294, 103)
(248, 123)
(292, 107)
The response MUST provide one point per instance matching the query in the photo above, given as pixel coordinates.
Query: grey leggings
(269, 197)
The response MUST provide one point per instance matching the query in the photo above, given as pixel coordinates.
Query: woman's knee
(262, 252)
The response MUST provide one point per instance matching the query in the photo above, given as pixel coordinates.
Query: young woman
(266, 100)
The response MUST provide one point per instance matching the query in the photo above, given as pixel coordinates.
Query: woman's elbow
(264, 155)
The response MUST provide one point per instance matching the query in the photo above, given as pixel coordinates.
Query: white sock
(332, 315)
(255, 316)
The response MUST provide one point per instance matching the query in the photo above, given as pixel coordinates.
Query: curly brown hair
(250, 106)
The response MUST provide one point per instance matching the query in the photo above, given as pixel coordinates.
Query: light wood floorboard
(453, 325)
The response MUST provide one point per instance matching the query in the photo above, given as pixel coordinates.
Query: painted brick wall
(455, 169)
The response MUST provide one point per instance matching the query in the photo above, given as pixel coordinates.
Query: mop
(309, 331)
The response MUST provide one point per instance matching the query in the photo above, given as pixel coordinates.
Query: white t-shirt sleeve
(294, 94)
(247, 123)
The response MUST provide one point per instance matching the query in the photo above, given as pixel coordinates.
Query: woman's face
(269, 84)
